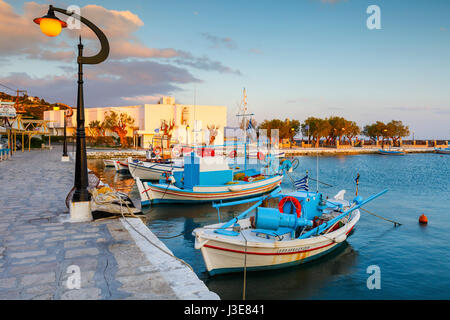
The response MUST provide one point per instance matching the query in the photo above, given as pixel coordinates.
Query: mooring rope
(394, 222)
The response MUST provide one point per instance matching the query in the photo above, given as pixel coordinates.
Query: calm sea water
(414, 260)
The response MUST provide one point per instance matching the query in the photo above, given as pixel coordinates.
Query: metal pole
(81, 193)
(65, 137)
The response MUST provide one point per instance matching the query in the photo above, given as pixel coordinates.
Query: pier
(42, 254)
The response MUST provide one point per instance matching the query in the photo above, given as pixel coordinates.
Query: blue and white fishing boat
(442, 150)
(303, 227)
(152, 169)
(390, 152)
(206, 180)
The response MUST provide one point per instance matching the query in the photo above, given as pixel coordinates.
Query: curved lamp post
(67, 114)
(52, 26)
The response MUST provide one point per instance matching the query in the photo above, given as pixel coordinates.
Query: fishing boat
(121, 165)
(261, 155)
(399, 152)
(152, 169)
(207, 180)
(109, 162)
(442, 150)
(303, 227)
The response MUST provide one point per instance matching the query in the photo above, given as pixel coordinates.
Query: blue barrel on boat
(272, 219)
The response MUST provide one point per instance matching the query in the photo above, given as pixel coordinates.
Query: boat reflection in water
(168, 220)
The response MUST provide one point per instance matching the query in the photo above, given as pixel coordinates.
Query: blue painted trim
(156, 201)
(164, 187)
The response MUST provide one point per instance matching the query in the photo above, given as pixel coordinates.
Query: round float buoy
(260, 155)
(232, 154)
(423, 219)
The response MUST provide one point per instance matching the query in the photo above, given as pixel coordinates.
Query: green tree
(374, 131)
(396, 130)
(318, 128)
(287, 129)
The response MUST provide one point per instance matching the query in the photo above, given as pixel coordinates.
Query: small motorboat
(303, 227)
(391, 152)
(152, 169)
(206, 180)
(442, 150)
(109, 162)
(121, 165)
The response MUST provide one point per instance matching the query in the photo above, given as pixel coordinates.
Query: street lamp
(67, 114)
(187, 135)
(51, 26)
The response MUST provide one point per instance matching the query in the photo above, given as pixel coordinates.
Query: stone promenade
(41, 253)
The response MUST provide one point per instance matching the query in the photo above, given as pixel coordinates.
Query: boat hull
(121, 166)
(159, 193)
(442, 150)
(152, 171)
(391, 153)
(222, 254)
(108, 162)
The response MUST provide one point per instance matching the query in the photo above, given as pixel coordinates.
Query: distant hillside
(34, 106)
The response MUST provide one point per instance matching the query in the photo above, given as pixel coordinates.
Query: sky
(295, 58)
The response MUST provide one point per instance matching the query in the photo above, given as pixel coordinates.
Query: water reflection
(173, 224)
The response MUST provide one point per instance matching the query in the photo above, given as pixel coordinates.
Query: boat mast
(244, 115)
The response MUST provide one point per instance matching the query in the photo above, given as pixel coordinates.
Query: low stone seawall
(111, 154)
(42, 253)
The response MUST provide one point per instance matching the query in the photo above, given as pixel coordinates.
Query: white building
(191, 123)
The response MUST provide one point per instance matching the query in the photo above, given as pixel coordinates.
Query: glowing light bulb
(50, 27)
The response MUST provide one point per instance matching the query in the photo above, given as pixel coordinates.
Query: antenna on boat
(357, 182)
(244, 114)
(317, 172)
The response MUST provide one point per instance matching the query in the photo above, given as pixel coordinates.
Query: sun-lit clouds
(108, 83)
(133, 72)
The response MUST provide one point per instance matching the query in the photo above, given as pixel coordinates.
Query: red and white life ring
(295, 202)
(176, 152)
(232, 154)
(260, 155)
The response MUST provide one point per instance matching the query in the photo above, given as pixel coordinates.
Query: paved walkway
(39, 251)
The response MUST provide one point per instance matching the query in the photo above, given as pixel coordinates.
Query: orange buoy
(423, 219)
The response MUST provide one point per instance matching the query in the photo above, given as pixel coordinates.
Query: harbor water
(413, 260)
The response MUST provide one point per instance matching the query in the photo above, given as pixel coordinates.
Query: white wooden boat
(392, 152)
(203, 180)
(442, 150)
(152, 170)
(121, 165)
(264, 238)
(109, 162)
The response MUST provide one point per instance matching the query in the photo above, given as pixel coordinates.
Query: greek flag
(302, 184)
(251, 131)
(250, 125)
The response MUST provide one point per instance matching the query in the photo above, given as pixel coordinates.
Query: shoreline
(39, 248)
(93, 153)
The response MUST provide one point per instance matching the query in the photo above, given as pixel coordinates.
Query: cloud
(426, 109)
(219, 42)
(132, 73)
(21, 37)
(255, 51)
(109, 83)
